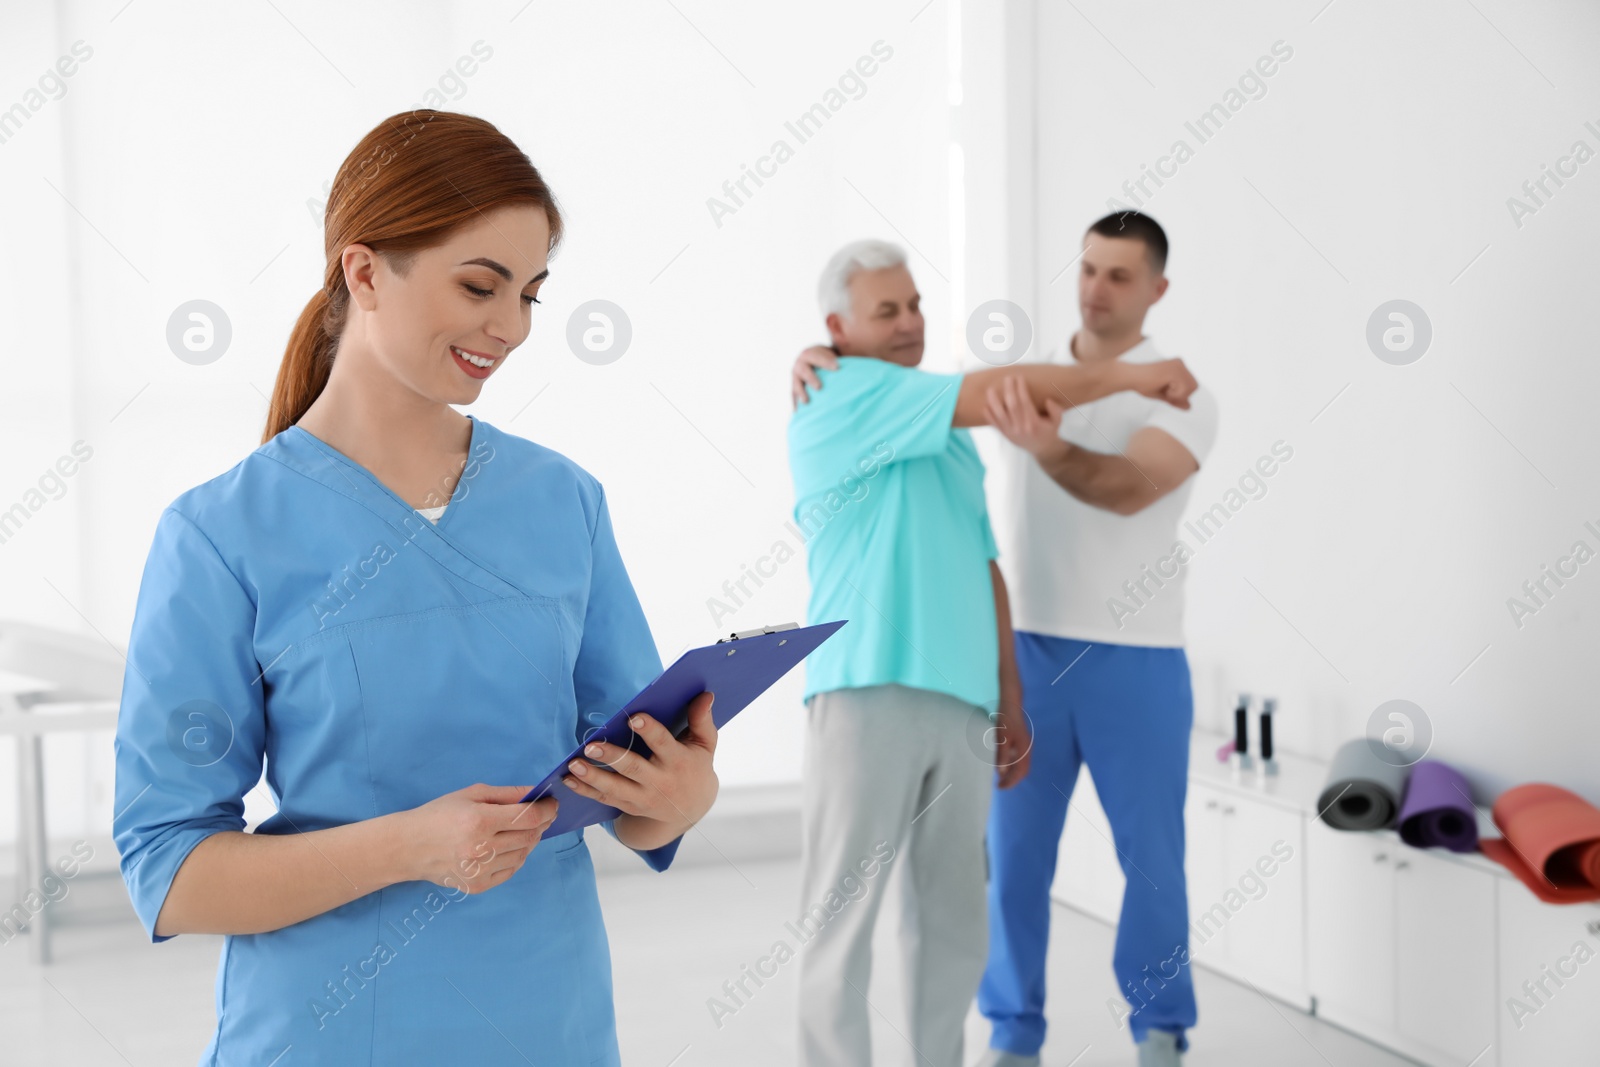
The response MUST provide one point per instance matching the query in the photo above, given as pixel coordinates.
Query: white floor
(111, 998)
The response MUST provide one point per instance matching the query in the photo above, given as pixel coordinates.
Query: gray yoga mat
(1363, 790)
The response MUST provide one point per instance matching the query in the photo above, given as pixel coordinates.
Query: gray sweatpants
(892, 776)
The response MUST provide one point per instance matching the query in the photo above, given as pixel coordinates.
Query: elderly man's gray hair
(833, 288)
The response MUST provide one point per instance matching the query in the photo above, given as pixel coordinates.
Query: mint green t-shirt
(890, 502)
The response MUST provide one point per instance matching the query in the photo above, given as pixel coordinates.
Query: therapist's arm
(1153, 464)
(247, 883)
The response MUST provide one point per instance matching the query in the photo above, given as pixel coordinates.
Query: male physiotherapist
(1093, 497)
(889, 493)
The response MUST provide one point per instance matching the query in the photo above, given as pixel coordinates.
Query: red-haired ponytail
(305, 368)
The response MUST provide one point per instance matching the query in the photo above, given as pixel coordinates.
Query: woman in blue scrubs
(407, 617)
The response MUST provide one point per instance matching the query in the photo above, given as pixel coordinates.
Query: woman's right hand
(477, 837)
(1166, 379)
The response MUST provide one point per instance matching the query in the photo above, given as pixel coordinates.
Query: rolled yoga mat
(1552, 842)
(1438, 811)
(1363, 791)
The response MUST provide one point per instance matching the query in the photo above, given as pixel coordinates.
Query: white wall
(190, 142)
(1377, 165)
(179, 160)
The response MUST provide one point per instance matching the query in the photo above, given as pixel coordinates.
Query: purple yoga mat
(1437, 810)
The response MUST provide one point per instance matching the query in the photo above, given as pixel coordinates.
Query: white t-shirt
(1074, 570)
(432, 514)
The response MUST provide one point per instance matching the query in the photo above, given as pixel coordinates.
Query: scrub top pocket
(454, 695)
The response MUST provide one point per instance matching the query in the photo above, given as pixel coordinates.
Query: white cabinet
(1445, 956)
(1264, 870)
(1402, 945)
(1245, 868)
(1351, 938)
(1206, 867)
(1549, 980)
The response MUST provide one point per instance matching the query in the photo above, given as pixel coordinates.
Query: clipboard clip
(775, 628)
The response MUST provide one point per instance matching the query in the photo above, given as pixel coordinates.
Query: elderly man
(898, 754)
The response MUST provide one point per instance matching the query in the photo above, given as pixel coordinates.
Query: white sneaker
(1000, 1058)
(1160, 1049)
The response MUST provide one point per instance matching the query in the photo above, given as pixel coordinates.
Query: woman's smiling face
(468, 299)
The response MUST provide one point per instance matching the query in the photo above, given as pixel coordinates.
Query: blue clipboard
(736, 670)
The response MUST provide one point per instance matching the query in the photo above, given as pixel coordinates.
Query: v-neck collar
(451, 506)
(303, 451)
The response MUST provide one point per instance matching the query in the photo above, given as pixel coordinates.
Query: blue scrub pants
(1126, 711)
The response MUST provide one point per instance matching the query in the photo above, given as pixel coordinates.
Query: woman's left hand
(660, 797)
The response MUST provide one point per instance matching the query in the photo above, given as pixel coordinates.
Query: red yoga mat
(1552, 842)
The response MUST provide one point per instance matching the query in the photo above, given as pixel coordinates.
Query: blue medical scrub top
(295, 614)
